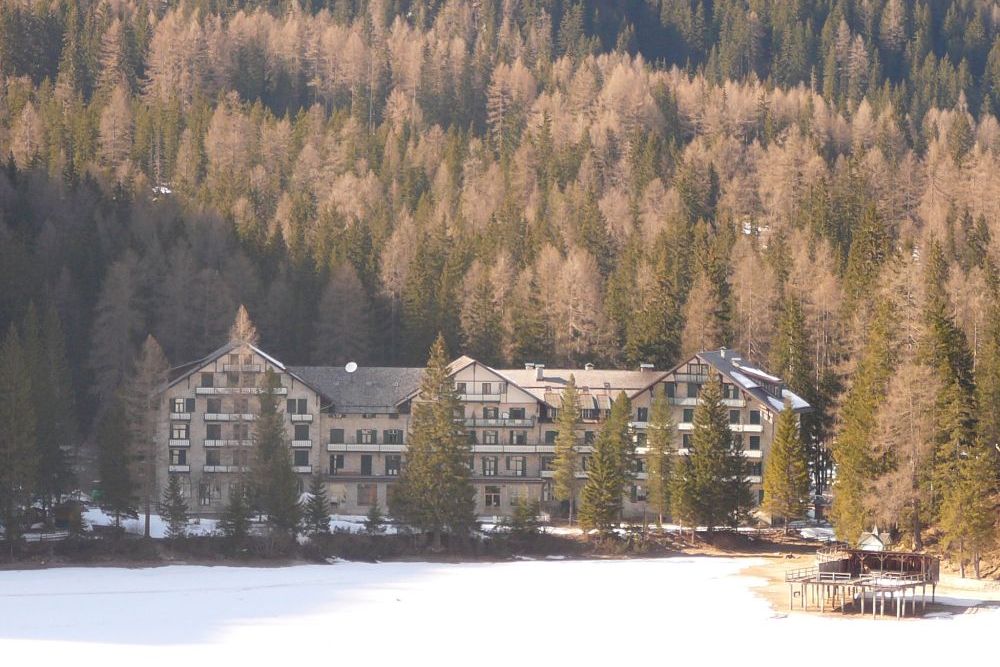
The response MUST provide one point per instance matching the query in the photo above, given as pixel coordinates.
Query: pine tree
(717, 468)
(374, 520)
(235, 521)
(870, 248)
(142, 403)
(532, 339)
(115, 463)
(609, 471)
(316, 520)
(434, 493)
(18, 459)
(564, 464)
(786, 475)
(969, 512)
(653, 335)
(481, 324)
(660, 452)
(684, 494)
(174, 509)
(275, 484)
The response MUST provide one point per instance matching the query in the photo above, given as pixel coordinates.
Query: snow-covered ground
(675, 610)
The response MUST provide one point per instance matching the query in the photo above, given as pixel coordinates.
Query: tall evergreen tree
(142, 402)
(174, 508)
(18, 458)
(969, 511)
(660, 452)
(316, 514)
(532, 338)
(481, 323)
(609, 471)
(275, 484)
(564, 464)
(114, 462)
(235, 521)
(786, 475)
(434, 493)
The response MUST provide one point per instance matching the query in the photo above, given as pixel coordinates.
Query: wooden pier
(865, 581)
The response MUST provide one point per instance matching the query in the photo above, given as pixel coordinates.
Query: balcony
(481, 422)
(639, 425)
(746, 428)
(215, 468)
(696, 378)
(364, 447)
(754, 479)
(180, 416)
(177, 442)
(685, 426)
(302, 469)
(685, 402)
(306, 418)
(242, 368)
(302, 444)
(179, 468)
(228, 443)
(734, 402)
(229, 417)
(752, 453)
(251, 391)
(480, 398)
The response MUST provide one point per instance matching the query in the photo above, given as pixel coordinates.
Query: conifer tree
(235, 521)
(717, 468)
(786, 475)
(18, 459)
(142, 402)
(870, 248)
(56, 436)
(275, 484)
(653, 334)
(969, 511)
(684, 494)
(609, 471)
(374, 520)
(481, 324)
(316, 517)
(660, 452)
(531, 337)
(174, 508)
(115, 463)
(434, 493)
(564, 463)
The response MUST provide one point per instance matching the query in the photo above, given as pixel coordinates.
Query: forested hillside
(815, 183)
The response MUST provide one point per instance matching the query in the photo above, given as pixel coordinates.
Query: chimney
(722, 351)
(588, 366)
(539, 371)
(645, 367)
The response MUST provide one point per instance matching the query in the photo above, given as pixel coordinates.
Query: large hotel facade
(351, 424)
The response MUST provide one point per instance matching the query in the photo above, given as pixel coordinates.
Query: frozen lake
(523, 613)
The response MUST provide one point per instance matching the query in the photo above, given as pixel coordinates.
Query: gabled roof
(368, 389)
(602, 385)
(752, 380)
(187, 370)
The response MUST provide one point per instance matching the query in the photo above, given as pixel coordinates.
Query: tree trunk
(976, 559)
(148, 512)
(918, 542)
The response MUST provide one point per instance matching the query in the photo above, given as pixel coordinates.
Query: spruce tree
(434, 493)
(717, 469)
(481, 324)
(532, 338)
(564, 464)
(275, 485)
(18, 459)
(660, 452)
(969, 512)
(316, 514)
(142, 402)
(235, 521)
(786, 473)
(115, 463)
(609, 471)
(174, 509)
(684, 494)
(374, 520)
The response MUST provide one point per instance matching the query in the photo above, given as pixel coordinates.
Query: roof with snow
(597, 387)
(766, 388)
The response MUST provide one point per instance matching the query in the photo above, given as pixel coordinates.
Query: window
(179, 431)
(755, 468)
(589, 414)
(755, 443)
(693, 389)
(336, 436)
(185, 484)
(489, 466)
(547, 462)
(301, 432)
(369, 415)
(550, 437)
(213, 431)
(392, 436)
(730, 391)
(490, 438)
(392, 464)
(178, 457)
(241, 405)
(588, 437)
(518, 437)
(460, 387)
(686, 441)
(367, 436)
(367, 494)
(760, 496)
(297, 406)
(734, 416)
(241, 458)
(209, 492)
(336, 463)
(234, 359)
(207, 379)
(517, 413)
(642, 414)
(513, 498)
(670, 388)
(491, 413)
(638, 494)
(487, 388)
(473, 437)
(491, 496)
(584, 463)
(301, 457)
(688, 415)
(755, 416)
(181, 405)
(546, 492)
(241, 431)
(737, 440)
(517, 466)
(213, 406)
(366, 464)
(213, 457)
(638, 465)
